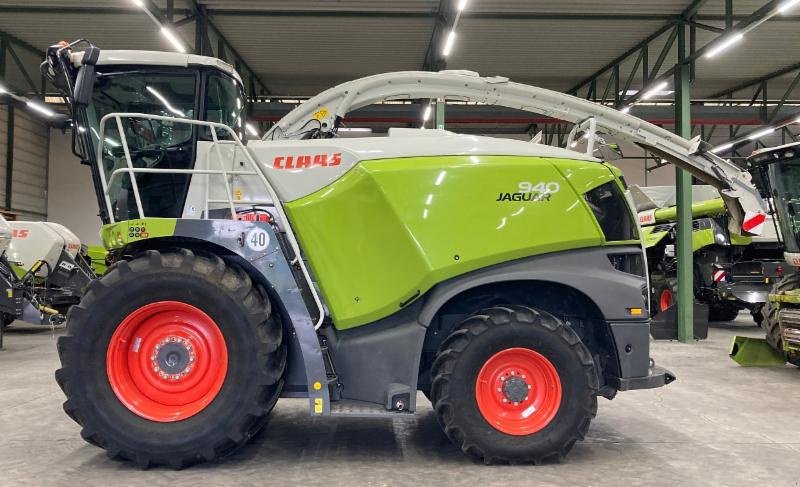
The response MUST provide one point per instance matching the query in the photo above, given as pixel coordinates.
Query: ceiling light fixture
(448, 44)
(41, 109)
(787, 5)
(173, 39)
(655, 91)
(733, 39)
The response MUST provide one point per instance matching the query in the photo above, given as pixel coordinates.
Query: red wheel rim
(518, 391)
(665, 300)
(166, 361)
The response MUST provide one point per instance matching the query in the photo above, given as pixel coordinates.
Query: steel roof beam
(229, 51)
(689, 12)
(400, 14)
(757, 81)
(434, 61)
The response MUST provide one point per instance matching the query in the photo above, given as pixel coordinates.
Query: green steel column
(440, 104)
(683, 182)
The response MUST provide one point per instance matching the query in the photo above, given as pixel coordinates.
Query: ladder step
(361, 409)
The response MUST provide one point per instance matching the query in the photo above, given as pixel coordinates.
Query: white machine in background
(44, 262)
(46, 241)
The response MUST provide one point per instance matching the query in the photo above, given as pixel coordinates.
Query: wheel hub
(515, 389)
(173, 358)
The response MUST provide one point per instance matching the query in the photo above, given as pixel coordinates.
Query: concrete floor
(718, 424)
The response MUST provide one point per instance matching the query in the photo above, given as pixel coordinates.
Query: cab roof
(157, 58)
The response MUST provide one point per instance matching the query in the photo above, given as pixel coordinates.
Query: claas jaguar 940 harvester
(504, 279)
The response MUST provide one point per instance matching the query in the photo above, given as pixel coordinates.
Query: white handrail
(283, 218)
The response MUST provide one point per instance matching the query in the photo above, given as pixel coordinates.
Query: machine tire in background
(665, 295)
(195, 314)
(771, 324)
(757, 312)
(514, 385)
(722, 312)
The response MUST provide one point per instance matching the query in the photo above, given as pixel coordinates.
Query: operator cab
(163, 84)
(780, 171)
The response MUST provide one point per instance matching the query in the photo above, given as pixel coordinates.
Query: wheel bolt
(156, 369)
(529, 386)
(523, 376)
(516, 404)
(505, 400)
(513, 373)
(526, 398)
(499, 389)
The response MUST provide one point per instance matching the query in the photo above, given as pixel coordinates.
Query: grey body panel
(632, 340)
(370, 359)
(587, 270)
(305, 362)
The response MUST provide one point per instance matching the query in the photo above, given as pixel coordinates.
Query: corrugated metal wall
(3, 151)
(31, 140)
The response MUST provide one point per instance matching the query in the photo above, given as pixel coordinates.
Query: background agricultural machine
(436, 266)
(731, 272)
(779, 168)
(52, 261)
(39, 273)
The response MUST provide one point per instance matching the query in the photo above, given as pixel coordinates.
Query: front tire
(171, 359)
(514, 385)
(771, 323)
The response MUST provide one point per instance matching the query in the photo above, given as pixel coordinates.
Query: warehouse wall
(71, 200)
(30, 164)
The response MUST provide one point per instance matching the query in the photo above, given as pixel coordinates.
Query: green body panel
(18, 270)
(702, 238)
(713, 207)
(119, 234)
(389, 230)
(97, 255)
(741, 240)
(652, 238)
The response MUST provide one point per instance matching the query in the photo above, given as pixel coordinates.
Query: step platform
(362, 409)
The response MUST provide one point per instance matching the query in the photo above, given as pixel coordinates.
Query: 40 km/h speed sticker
(257, 239)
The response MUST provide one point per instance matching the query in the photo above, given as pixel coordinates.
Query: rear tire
(771, 324)
(100, 371)
(560, 379)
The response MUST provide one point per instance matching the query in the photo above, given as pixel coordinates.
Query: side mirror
(608, 152)
(84, 83)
